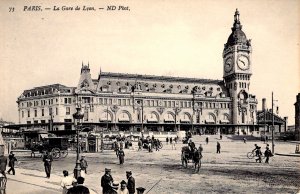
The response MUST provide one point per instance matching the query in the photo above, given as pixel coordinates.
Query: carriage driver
(192, 147)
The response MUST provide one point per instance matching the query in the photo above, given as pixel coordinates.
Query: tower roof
(237, 36)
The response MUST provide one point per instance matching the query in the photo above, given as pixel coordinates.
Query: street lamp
(77, 116)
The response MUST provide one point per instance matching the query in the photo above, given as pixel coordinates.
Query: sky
(174, 38)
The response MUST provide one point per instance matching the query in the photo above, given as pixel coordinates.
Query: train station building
(141, 103)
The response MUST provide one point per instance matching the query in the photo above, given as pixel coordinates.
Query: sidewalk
(32, 181)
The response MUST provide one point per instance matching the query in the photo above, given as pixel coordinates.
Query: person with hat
(107, 182)
(79, 188)
(130, 182)
(140, 190)
(47, 159)
(121, 156)
(123, 189)
(268, 154)
(83, 166)
(67, 182)
(11, 163)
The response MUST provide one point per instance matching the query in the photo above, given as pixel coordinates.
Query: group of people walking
(258, 153)
(109, 187)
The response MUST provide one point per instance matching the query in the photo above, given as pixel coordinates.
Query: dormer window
(163, 85)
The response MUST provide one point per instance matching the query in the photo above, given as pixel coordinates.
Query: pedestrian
(245, 140)
(206, 140)
(117, 148)
(167, 140)
(79, 188)
(150, 145)
(11, 163)
(47, 159)
(268, 154)
(200, 150)
(174, 144)
(140, 190)
(218, 147)
(221, 136)
(67, 182)
(267, 138)
(121, 156)
(83, 166)
(123, 189)
(140, 144)
(3, 164)
(171, 140)
(130, 182)
(107, 182)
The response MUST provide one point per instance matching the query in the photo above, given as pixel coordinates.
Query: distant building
(131, 102)
(297, 117)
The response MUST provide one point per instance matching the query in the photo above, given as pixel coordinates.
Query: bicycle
(252, 154)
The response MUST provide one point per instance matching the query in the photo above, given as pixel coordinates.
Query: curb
(289, 155)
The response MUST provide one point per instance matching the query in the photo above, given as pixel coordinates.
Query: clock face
(228, 64)
(243, 62)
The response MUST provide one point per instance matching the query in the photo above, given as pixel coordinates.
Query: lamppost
(77, 116)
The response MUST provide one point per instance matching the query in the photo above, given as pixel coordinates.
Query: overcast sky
(175, 38)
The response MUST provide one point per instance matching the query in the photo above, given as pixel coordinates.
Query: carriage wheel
(55, 152)
(63, 153)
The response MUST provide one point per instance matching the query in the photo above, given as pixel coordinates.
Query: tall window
(86, 114)
(56, 111)
(68, 111)
(35, 113)
(42, 112)
(28, 113)
(22, 114)
(50, 110)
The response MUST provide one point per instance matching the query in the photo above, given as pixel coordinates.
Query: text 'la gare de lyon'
(77, 8)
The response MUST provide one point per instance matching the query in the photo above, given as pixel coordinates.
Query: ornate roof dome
(237, 36)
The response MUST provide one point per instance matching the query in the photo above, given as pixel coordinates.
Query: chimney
(263, 104)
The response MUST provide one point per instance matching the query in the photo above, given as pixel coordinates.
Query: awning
(169, 120)
(152, 120)
(210, 121)
(224, 121)
(104, 119)
(185, 120)
(123, 119)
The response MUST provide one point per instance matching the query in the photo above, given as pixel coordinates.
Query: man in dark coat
(47, 159)
(121, 156)
(130, 182)
(218, 148)
(268, 154)
(3, 163)
(107, 182)
(83, 164)
(11, 163)
(79, 188)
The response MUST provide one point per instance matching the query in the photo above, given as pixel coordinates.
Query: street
(161, 171)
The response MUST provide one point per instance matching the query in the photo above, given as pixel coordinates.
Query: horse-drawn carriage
(57, 146)
(187, 155)
(155, 143)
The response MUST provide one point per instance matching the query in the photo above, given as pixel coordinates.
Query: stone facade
(132, 102)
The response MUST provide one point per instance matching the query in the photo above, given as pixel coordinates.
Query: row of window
(45, 102)
(241, 85)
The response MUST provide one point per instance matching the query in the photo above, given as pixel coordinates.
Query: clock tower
(237, 72)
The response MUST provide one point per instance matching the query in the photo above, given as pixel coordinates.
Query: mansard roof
(48, 89)
(158, 78)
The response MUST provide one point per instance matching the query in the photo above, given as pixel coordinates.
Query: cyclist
(257, 153)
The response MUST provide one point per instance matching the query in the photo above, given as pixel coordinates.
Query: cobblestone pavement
(161, 171)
